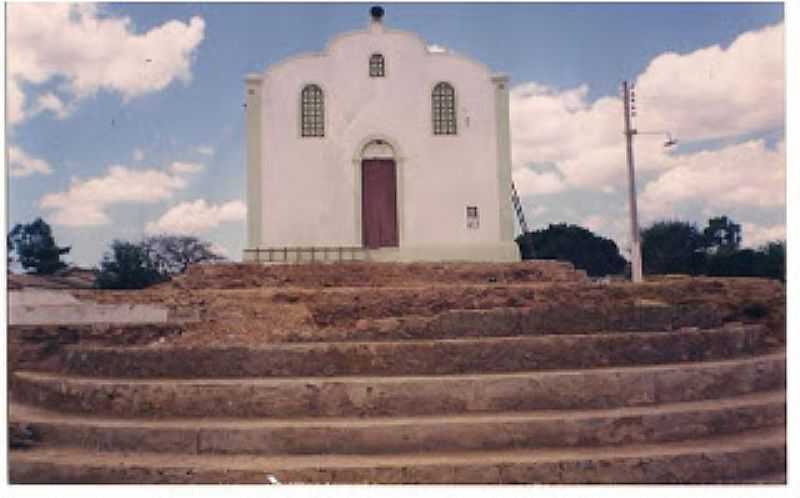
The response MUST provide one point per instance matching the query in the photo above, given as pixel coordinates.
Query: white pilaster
(502, 116)
(253, 117)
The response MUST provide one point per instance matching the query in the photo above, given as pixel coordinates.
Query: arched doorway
(379, 227)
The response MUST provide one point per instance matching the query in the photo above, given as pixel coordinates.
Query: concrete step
(415, 357)
(402, 395)
(533, 319)
(540, 306)
(56, 336)
(630, 425)
(708, 460)
(40, 346)
(772, 478)
(372, 274)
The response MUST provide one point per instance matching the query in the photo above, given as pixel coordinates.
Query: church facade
(379, 145)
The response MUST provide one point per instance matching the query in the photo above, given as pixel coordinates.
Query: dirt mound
(69, 278)
(274, 314)
(364, 274)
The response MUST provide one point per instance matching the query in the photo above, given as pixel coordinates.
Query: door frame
(390, 164)
(363, 151)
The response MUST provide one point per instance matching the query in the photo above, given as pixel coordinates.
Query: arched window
(312, 111)
(444, 109)
(376, 66)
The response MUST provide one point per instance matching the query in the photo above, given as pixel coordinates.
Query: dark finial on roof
(377, 13)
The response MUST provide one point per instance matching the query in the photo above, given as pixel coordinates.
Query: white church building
(378, 148)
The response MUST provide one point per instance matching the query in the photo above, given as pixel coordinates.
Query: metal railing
(523, 226)
(306, 254)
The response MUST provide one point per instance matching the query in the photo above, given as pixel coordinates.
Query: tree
(735, 263)
(137, 265)
(773, 261)
(585, 250)
(722, 235)
(127, 266)
(673, 247)
(171, 254)
(678, 247)
(35, 247)
(9, 249)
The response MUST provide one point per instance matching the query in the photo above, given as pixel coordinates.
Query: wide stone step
(372, 274)
(728, 458)
(402, 395)
(40, 346)
(631, 425)
(415, 357)
(539, 319)
(52, 337)
(772, 478)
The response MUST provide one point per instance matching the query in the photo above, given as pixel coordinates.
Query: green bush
(673, 247)
(127, 266)
(679, 247)
(585, 250)
(35, 247)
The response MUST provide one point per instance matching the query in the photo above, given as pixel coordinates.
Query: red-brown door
(379, 203)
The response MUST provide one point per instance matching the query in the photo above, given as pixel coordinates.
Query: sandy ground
(242, 304)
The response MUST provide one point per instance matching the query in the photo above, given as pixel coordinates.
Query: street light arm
(670, 141)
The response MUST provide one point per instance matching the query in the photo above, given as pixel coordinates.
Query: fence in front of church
(306, 254)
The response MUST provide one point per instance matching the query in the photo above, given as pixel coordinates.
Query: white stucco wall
(306, 190)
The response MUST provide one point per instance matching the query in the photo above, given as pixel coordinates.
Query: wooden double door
(379, 203)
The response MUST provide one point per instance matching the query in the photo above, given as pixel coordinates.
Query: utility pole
(636, 249)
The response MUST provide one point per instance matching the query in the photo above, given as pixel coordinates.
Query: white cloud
(757, 235)
(92, 50)
(86, 201)
(582, 139)
(437, 49)
(189, 218)
(206, 150)
(532, 182)
(609, 226)
(51, 102)
(138, 154)
(219, 250)
(595, 222)
(21, 164)
(534, 211)
(748, 174)
(712, 93)
(15, 102)
(716, 92)
(185, 168)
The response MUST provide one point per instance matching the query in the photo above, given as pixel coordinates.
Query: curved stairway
(504, 395)
(650, 406)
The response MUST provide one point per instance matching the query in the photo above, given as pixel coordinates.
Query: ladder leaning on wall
(523, 226)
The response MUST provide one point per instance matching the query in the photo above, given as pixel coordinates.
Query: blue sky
(169, 90)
